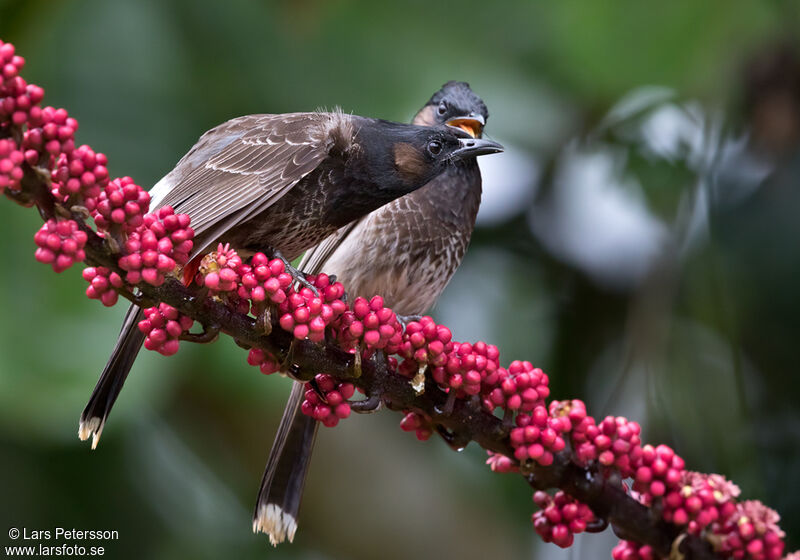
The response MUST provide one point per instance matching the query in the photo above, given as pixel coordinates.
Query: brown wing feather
(315, 258)
(245, 163)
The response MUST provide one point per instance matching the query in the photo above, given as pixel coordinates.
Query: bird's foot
(297, 275)
(288, 365)
(404, 320)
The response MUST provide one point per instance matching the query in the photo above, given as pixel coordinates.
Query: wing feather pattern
(243, 166)
(317, 256)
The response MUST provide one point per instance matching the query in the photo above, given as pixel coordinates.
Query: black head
(455, 104)
(420, 153)
(388, 160)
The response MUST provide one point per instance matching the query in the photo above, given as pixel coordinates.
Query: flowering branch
(458, 390)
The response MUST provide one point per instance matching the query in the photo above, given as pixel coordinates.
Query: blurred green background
(638, 240)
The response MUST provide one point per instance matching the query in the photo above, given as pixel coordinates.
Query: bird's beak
(471, 147)
(472, 124)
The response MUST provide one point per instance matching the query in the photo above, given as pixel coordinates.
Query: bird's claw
(297, 275)
(404, 320)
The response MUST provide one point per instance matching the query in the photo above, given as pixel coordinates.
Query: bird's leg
(404, 320)
(297, 275)
(288, 366)
(373, 401)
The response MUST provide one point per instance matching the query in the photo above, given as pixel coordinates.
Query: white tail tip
(91, 427)
(277, 524)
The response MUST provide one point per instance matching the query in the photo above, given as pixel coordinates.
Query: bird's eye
(434, 147)
(442, 107)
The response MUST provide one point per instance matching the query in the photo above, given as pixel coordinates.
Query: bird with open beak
(405, 251)
(281, 184)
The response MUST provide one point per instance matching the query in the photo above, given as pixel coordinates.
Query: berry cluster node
(163, 325)
(60, 244)
(162, 242)
(326, 399)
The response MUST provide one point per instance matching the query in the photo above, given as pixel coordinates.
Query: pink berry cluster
(258, 358)
(18, 99)
(417, 423)
(11, 160)
(560, 517)
(60, 244)
(327, 402)
(752, 531)
(103, 284)
(371, 324)
(573, 410)
(614, 442)
(520, 388)
(21, 101)
(630, 550)
(219, 270)
(658, 471)
(468, 368)
(538, 436)
(163, 325)
(423, 343)
(153, 246)
(306, 315)
(10, 65)
(122, 204)
(500, 463)
(703, 503)
(700, 500)
(264, 280)
(50, 137)
(81, 172)
(162, 242)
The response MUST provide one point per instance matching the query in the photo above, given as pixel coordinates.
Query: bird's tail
(281, 490)
(113, 377)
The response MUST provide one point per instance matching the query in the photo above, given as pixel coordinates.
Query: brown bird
(280, 184)
(405, 251)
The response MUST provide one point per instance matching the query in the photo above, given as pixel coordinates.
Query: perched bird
(280, 184)
(405, 251)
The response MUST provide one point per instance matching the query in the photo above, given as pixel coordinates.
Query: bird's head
(456, 105)
(420, 153)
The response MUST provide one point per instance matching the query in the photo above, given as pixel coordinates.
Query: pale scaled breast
(410, 273)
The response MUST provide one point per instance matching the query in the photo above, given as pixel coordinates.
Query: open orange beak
(472, 125)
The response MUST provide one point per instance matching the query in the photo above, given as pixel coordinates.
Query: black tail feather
(281, 490)
(113, 377)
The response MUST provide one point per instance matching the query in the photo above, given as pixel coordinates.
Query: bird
(280, 184)
(405, 251)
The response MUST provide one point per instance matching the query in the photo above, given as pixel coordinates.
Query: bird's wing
(315, 258)
(243, 166)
